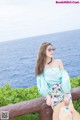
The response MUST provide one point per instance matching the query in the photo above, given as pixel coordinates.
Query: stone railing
(35, 105)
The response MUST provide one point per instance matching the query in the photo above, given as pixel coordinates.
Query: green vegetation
(13, 95)
(74, 83)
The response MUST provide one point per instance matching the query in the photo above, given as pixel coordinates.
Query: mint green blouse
(51, 76)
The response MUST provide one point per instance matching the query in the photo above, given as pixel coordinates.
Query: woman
(53, 81)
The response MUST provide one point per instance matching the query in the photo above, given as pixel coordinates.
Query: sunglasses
(51, 49)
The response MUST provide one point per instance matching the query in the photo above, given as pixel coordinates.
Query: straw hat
(65, 113)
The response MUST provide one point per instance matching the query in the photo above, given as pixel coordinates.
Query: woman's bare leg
(56, 111)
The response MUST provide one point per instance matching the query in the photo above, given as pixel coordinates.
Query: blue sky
(27, 18)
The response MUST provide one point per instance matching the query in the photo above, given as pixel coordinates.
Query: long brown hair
(41, 58)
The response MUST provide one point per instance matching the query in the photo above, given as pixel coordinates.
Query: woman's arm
(66, 99)
(42, 85)
(44, 89)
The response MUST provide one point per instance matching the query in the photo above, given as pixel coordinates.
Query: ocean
(18, 57)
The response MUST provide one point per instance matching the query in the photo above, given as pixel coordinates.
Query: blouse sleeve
(66, 82)
(42, 85)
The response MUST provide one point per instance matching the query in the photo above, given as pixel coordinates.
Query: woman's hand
(66, 101)
(48, 100)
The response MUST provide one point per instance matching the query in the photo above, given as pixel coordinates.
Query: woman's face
(49, 51)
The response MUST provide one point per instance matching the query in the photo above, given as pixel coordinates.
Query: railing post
(45, 113)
